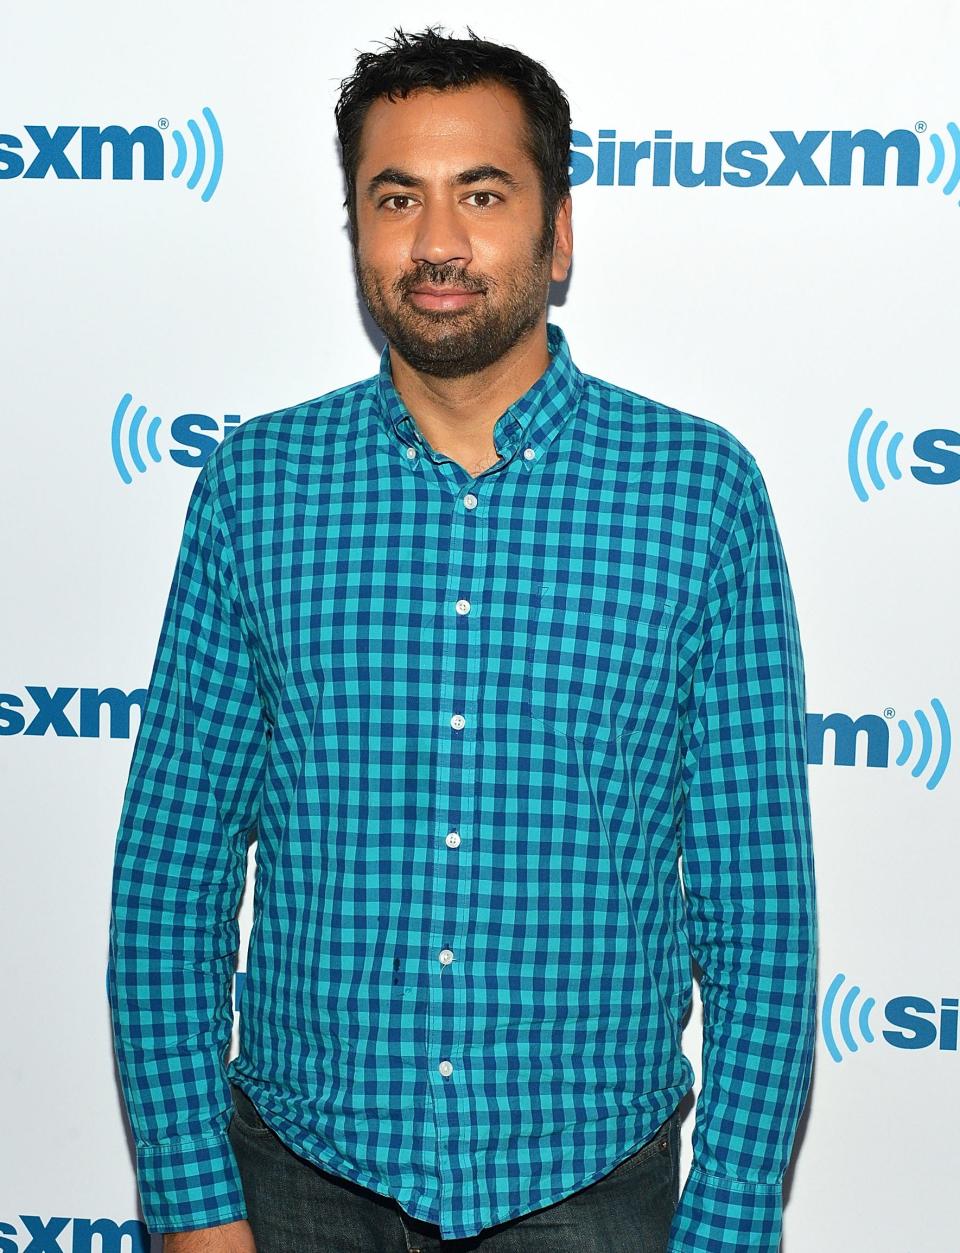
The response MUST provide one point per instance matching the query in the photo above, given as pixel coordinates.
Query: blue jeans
(296, 1207)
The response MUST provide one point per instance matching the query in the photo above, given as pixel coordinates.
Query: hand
(235, 1237)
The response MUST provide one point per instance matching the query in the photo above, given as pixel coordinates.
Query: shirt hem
(428, 1214)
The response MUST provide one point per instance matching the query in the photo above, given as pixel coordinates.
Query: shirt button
(411, 453)
(458, 722)
(463, 606)
(445, 1067)
(452, 839)
(469, 501)
(446, 957)
(529, 454)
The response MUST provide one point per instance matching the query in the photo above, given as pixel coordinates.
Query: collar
(528, 425)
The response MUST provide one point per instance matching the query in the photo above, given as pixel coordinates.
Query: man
(500, 664)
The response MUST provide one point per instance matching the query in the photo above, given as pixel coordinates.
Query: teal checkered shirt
(515, 747)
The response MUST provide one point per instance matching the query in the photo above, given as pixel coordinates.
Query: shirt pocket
(601, 672)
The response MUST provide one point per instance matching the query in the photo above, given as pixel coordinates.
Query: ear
(562, 241)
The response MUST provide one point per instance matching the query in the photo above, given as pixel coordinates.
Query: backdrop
(766, 216)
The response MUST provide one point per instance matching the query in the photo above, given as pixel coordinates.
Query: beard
(452, 343)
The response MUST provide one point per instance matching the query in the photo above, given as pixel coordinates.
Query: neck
(457, 416)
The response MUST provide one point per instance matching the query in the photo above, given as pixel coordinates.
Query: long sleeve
(748, 875)
(191, 797)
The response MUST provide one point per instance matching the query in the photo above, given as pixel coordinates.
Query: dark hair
(431, 59)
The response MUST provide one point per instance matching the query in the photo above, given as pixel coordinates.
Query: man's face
(452, 255)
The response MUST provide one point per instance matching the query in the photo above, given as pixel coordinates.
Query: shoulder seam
(663, 407)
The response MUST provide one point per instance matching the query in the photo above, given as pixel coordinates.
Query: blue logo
(87, 1234)
(197, 157)
(914, 1022)
(132, 439)
(845, 1019)
(50, 714)
(820, 158)
(924, 747)
(199, 153)
(873, 456)
(940, 159)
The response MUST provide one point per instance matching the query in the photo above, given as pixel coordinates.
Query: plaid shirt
(515, 747)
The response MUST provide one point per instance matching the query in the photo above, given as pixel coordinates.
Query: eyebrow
(476, 174)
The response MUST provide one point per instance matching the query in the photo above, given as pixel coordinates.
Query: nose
(441, 235)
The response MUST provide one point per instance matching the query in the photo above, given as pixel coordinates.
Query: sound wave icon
(870, 449)
(133, 438)
(844, 1017)
(940, 159)
(926, 743)
(200, 154)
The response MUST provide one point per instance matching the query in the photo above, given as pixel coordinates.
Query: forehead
(459, 127)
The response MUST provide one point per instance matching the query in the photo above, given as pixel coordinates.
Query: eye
(490, 195)
(385, 203)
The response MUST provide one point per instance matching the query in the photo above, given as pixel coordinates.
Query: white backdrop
(783, 312)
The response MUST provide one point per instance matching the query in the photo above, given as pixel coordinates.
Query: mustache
(437, 276)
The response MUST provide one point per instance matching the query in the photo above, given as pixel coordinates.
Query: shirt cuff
(188, 1184)
(717, 1214)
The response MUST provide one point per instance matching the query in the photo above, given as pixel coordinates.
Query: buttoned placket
(521, 436)
(459, 670)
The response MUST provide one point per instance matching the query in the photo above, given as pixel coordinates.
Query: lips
(442, 298)
(425, 289)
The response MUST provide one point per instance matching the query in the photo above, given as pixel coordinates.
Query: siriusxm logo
(50, 714)
(130, 439)
(86, 1235)
(57, 152)
(914, 1022)
(813, 159)
(874, 454)
(929, 747)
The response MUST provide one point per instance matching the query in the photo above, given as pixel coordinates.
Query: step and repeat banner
(767, 235)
